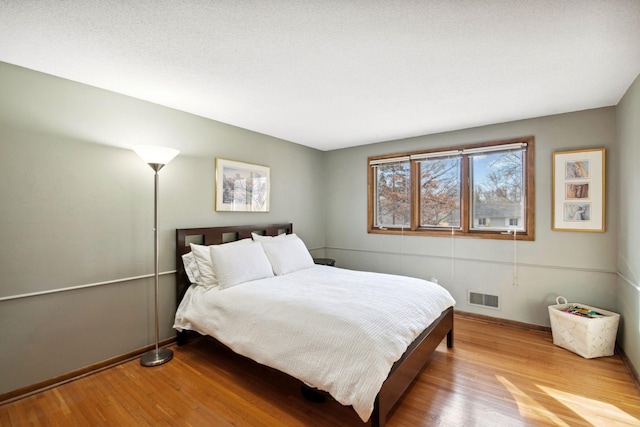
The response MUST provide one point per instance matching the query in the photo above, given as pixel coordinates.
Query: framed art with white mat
(579, 190)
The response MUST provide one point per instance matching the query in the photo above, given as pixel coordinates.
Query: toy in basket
(585, 330)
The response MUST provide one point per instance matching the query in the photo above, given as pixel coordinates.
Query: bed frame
(402, 373)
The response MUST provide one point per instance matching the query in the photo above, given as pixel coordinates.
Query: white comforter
(337, 330)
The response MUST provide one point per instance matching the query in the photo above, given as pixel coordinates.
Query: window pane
(440, 192)
(497, 190)
(392, 195)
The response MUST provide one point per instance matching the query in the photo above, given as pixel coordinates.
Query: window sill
(475, 234)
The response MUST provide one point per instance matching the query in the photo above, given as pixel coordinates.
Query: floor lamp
(157, 158)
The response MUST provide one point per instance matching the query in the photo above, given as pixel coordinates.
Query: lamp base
(156, 357)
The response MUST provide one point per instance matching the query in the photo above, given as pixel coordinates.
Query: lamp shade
(155, 155)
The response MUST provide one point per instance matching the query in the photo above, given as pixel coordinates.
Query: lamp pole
(156, 158)
(158, 356)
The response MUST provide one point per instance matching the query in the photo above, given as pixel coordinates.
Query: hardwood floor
(494, 376)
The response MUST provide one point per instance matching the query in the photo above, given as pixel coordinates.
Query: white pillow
(191, 268)
(261, 238)
(202, 255)
(236, 264)
(287, 255)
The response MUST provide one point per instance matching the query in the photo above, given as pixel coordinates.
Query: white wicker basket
(588, 337)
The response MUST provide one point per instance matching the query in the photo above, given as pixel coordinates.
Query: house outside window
(479, 190)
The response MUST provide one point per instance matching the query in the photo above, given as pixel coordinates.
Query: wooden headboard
(216, 236)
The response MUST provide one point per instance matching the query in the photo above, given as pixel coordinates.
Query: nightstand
(325, 261)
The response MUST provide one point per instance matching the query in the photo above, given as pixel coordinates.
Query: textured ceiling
(330, 74)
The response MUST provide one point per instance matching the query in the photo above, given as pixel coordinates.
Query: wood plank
(496, 375)
(74, 375)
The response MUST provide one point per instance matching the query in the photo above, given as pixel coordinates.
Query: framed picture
(241, 187)
(578, 190)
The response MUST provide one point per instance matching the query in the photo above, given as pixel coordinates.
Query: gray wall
(628, 261)
(76, 209)
(579, 266)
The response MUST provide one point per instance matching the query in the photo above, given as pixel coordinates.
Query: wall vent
(484, 300)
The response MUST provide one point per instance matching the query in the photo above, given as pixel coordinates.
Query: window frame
(376, 191)
(466, 194)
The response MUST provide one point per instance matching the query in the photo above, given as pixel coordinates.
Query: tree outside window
(392, 194)
(440, 192)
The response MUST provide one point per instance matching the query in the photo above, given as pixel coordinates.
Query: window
(392, 199)
(497, 186)
(440, 191)
(481, 190)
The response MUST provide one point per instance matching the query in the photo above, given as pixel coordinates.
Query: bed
(415, 352)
